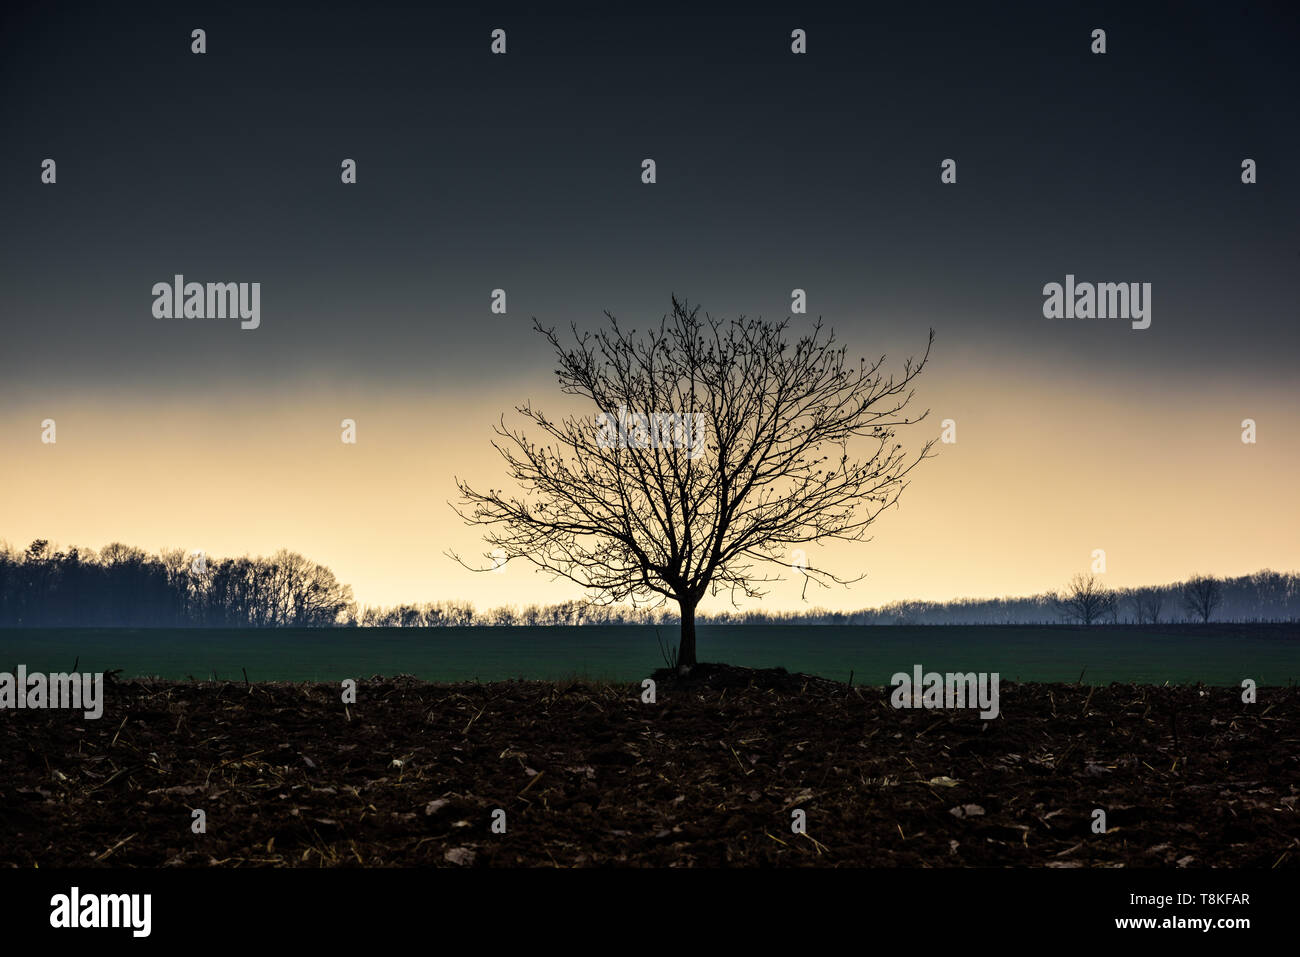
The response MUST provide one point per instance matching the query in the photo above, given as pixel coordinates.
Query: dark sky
(522, 172)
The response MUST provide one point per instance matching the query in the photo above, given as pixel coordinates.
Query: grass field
(1177, 654)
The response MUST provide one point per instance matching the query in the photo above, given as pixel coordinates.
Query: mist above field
(123, 586)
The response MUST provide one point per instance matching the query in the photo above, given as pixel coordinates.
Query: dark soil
(707, 776)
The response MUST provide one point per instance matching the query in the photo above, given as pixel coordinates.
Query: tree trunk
(686, 647)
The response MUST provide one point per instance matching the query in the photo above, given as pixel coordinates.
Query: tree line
(1086, 601)
(121, 586)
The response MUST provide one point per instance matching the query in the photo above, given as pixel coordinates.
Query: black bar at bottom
(602, 907)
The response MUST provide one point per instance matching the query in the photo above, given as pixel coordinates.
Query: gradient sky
(522, 172)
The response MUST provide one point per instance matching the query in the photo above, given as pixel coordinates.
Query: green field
(1178, 654)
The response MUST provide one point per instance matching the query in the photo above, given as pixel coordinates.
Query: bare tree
(1147, 604)
(716, 447)
(1201, 595)
(1086, 600)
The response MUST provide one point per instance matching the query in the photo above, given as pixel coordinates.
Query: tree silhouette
(123, 586)
(1086, 600)
(708, 457)
(1201, 595)
(1147, 603)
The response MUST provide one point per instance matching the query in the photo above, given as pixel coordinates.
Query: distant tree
(1201, 595)
(504, 616)
(755, 460)
(292, 590)
(1147, 604)
(1085, 600)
